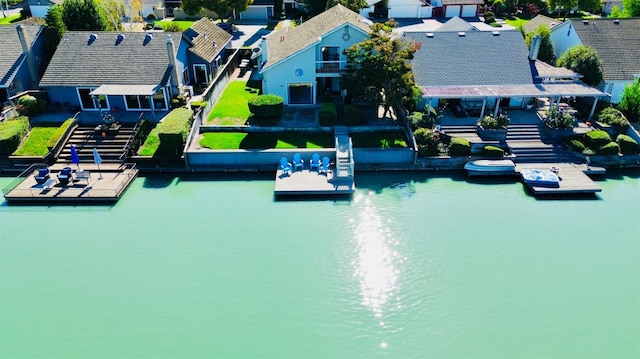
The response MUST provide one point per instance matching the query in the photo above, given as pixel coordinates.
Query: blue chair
(285, 166)
(297, 162)
(42, 176)
(324, 166)
(314, 162)
(65, 175)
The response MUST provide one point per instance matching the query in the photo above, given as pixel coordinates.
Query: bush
(495, 123)
(628, 146)
(493, 151)
(196, 105)
(172, 27)
(60, 132)
(597, 138)
(612, 117)
(266, 105)
(148, 26)
(352, 115)
(558, 119)
(427, 141)
(421, 120)
(610, 148)
(459, 147)
(327, 114)
(577, 145)
(31, 106)
(489, 17)
(170, 135)
(588, 152)
(12, 131)
(152, 16)
(178, 102)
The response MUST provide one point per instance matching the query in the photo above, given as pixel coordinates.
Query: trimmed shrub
(628, 146)
(327, 114)
(613, 117)
(427, 141)
(196, 105)
(597, 138)
(589, 152)
(577, 145)
(12, 131)
(459, 147)
(172, 27)
(489, 17)
(60, 132)
(352, 115)
(31, 106)
(170, 135)
(493, 151)
(152, 16)
(610, 148)
(266, 105)
(178, 102)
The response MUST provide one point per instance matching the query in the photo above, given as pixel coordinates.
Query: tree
(583, 60)
(546, 53)
(378, 72)
(353, 5)
(54, 29)
(630, 101)
(83, 15)
(562, 6)
(589, 5)
(315, 7)
(631, 8)
(113, 11)
(616, 13)
(221, 7)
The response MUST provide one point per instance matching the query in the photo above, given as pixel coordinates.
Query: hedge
(628, 146)
(612, 117)
(12, 131)
(610, 148)
(170, 135)
(195, 105)
(577, 145)
(352, 115)
(327, 114)
(266, 105)
(493, 151)
(459, 147)
(60, 132)
(597, 138)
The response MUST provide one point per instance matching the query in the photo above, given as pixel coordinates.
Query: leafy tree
(631, 8)
(113, 11)
(353, 5)
(54, 29)
(616, 13)
(377, 69)
(589, 5)
(221, 7)
(315, 7)
(583, 60)
(630, 102)
(546, 53)
(562, 6)
(83, 15)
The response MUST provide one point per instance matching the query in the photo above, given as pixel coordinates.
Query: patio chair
(297, 162)
(285, 166)
(324, 166)
(42, 176)
(65, 175)
(314, 162)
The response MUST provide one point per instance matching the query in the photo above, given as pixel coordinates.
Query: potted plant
(493, 127)
(559, 123)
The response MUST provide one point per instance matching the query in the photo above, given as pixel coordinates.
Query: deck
(106, 185)
(573, 178)
(307, 182)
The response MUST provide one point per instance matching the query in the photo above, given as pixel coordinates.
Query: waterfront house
(97, 71)
(22, 50)
(397, 9)
(617, 42)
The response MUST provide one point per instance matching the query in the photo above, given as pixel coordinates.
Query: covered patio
(135, 98)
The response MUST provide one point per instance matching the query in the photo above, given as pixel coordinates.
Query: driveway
(248, 35)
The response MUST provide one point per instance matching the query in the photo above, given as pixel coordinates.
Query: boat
(490, 168)
(540, 178)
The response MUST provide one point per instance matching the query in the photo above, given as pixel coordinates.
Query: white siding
(452, 10)
(256, 13)
(564, 37)
(404, 11)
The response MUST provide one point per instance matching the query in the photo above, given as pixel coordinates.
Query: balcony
(330, 67)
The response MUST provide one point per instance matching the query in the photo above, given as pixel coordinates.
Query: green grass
(151, 144)
(36, 142)
(517, 22)
(379, 140)
(183, 23)
(10, 19)
(232, 108)
(252, 141)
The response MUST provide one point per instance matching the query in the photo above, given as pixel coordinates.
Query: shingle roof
(617, 43)
(12, 49)
(135, 60)
(477, 58)
(456, 24)
(202, 35)
(284, 43)
(535, 23)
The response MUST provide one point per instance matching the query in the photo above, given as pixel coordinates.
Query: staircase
(344, 153)
(529, 145)
(469, 132)
(85, 138)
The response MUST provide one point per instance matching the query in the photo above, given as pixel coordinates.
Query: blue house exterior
(20, 59)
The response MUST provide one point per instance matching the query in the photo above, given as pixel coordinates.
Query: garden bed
(379, 140)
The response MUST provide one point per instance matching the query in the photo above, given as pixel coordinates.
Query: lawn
(183, 24)
(232, 108)
(252, 141)
(517, 22)
(36, 143)
(10, 19)
(379, 140)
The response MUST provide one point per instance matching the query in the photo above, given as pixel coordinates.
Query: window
(137, 102)
(88, 102)
(300, 94)
(185, 76)
(159, 101)
(200, 74)
(330, 53)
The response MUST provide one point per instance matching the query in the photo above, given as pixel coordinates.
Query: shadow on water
(622, 173)
(562, 196)
(342, 199)
(379, 181)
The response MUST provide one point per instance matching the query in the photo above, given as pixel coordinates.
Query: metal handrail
(127, 146)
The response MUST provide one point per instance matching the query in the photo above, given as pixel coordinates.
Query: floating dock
(95, 186)
(306, 182)
(573, 178)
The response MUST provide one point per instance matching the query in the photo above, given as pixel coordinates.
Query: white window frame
(185, 76)
(206, 74)
(126, 103)
(294, 84)
(96, 104)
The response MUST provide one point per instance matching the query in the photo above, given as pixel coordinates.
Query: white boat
(540, 178)
(490, 168)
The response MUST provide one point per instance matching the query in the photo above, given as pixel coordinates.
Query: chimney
(26, 50)
(535, 47)
(263, 47)
(176, 82)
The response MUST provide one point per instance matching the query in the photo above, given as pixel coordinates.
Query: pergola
(124, 90)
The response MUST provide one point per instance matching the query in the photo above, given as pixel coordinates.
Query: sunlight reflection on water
(376, 261)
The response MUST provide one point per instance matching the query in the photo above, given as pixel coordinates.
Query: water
(414, 266)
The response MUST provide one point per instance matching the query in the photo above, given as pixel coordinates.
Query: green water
(412, 266)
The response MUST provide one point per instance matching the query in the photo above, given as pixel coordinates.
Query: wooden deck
(106, 185)
(573, 178)
(307, 182)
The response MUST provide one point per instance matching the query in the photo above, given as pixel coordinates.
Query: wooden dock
(305, 182)
(573, 178)
(106, 185)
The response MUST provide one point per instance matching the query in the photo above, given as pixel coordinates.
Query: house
(456, 24)
(397, 9)
(40, 8)
(22, 50)
(538, 21)
(482, 70)
(258, 10)
(608, 5)
(303, 62)
(617, 42)
(97, 71)
(204, 51)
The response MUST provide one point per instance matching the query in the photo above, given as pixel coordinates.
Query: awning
(576, 89)
(143, 90)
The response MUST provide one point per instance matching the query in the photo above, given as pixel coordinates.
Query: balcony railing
(330, 67)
